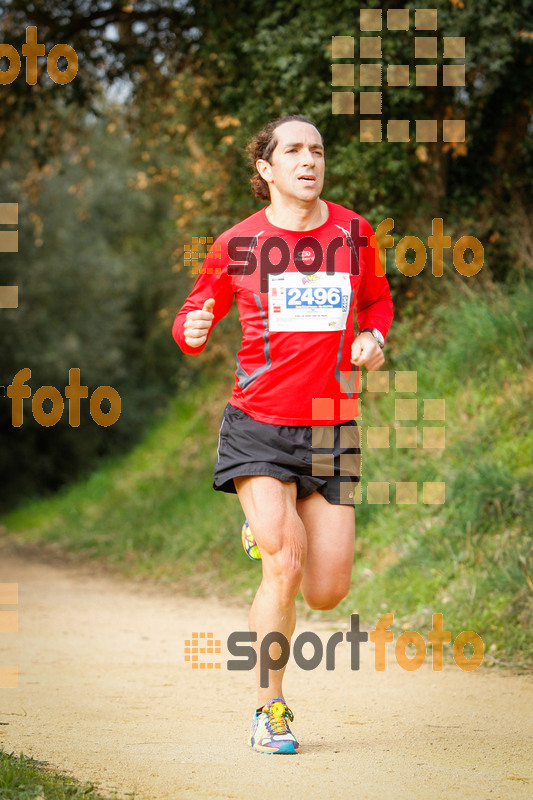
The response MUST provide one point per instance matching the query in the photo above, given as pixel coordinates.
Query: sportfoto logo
(239, 645)
(274, 254)
(426, 49)
(32, 50)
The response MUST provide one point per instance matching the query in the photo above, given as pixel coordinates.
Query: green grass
(154, 512)
(471, 557)
(23, 778)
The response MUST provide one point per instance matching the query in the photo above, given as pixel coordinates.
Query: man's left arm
(373, 308)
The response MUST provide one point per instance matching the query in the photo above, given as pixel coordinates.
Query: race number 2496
(314, 296)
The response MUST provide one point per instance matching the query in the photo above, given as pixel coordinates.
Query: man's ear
(264, 168)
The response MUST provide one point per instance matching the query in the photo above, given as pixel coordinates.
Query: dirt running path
(105, 694)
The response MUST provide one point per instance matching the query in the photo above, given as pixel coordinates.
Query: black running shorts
(324, 458)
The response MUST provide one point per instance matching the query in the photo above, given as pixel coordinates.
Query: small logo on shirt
(307, 256)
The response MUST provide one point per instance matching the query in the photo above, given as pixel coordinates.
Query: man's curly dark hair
(262, 145)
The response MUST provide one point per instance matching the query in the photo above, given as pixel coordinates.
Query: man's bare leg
(330, 534)
(270, 508)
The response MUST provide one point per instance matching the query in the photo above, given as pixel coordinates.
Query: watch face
(378, 336)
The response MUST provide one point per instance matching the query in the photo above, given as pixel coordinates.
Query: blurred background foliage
(117, 170)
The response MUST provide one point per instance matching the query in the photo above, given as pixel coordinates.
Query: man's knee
(326, 598)
(285, 566)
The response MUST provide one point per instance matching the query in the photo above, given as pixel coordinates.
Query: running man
(300, 269)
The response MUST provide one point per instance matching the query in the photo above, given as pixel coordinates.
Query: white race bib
(317, 302)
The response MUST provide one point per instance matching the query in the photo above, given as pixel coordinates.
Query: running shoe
(248, 542)
(270, 730)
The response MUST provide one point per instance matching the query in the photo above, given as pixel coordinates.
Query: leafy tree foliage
(114, 41)
(92, 249)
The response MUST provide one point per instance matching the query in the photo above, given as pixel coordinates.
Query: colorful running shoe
(248, 542)
(270, 730)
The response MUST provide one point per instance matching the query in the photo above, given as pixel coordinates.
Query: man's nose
(308, 157)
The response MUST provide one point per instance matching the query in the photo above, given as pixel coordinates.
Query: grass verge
(23, 778)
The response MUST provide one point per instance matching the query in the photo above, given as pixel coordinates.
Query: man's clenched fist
(366, 352)
(198, 323)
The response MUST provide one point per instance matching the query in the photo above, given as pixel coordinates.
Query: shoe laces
(277, 713)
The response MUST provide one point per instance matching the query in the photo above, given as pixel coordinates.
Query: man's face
(297, 163)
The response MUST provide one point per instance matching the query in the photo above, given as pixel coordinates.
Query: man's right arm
(210, 299)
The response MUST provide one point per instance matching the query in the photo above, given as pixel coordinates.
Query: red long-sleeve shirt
(293, 377)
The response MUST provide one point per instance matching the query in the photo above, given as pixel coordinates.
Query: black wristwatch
(378, 336)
